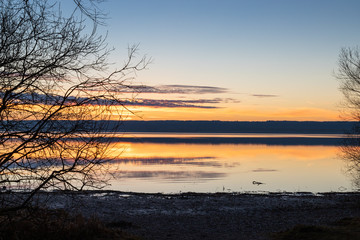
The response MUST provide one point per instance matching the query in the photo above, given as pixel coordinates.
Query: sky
(238, 60)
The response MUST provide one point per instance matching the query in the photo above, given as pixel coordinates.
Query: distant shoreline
(296, 127)
(225, 140)
(306, 127)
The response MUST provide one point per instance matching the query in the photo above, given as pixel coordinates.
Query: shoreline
(207, 215)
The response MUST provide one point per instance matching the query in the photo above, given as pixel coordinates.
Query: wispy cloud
(169, 103)
(264, 170)
(175, 89)
(178, 103)
(264, 95)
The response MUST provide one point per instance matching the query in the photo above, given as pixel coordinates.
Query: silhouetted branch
(349, 77)
(53, 82)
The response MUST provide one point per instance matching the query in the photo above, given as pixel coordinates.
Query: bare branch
(349, 76)
(52, 98)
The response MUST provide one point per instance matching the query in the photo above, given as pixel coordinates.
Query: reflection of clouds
(264, 170)
(196, 161)
(173, 175)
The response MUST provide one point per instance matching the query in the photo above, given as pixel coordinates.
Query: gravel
(209, 216)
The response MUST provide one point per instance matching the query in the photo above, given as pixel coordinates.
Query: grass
(41, 224)
(347, 228)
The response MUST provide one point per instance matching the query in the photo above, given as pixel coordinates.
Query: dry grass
(41, 224)
(348, 228)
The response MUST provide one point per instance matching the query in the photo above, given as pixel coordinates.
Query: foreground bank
(209, 216)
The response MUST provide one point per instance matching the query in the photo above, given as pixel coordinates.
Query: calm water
(157, 166)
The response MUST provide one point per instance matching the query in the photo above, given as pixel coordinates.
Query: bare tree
(54, 82)
(349, 77)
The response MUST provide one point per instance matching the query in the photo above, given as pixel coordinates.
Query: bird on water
(257, 183)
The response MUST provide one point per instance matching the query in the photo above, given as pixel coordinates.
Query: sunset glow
(179, 119)
(235, 60)
(152, 167)
(236, 114)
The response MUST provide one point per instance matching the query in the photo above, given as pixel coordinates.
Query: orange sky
(234, 114)
(240, 60)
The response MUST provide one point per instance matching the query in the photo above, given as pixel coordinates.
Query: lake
(173, 163)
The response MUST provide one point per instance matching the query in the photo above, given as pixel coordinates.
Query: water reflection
(170, 160)
(350, 153)
(175, 167)
(208, 165)
(172, 176)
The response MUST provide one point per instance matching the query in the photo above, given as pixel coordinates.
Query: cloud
(177, 103)
(231, 100)
(173, 103)
(188, 89)
(264, 170)
(175, 89)
(264, 95)
(35, 98)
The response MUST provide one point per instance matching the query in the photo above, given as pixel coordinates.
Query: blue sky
(275, 58)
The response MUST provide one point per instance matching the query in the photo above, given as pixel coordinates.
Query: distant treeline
(338, 127)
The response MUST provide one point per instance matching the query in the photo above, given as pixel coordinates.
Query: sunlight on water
(182, 167)
(150, 162)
